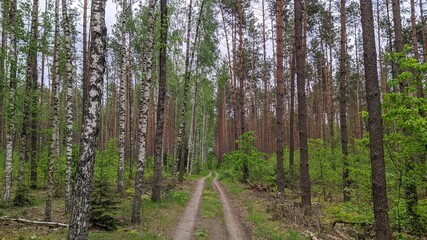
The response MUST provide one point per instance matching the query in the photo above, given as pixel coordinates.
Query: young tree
(279, 96)
(379, 191)
(143, 116)
(302, 107)
(79, 223)
(155, 196)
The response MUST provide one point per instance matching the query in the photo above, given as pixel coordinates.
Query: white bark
(143, 117)
(84, 174)
(70, 85)
(54, 145)
(122, 104)
(12, 85)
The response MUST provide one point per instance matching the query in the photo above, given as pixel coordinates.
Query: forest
(213, 119)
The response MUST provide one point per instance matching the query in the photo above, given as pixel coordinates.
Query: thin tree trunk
(382, 73)
(182, 126)
(79, 224)
(187, 75)
(54, 145)
(343, 105)
(122, 102)
(265, 129)
(12, 88)
(302, 108)
(143, 116)
(292, 115)
(280, 177)
(157, 187)
(69, 48)
(191, 140)
(420, 92)
(379, 191)
(3, 51)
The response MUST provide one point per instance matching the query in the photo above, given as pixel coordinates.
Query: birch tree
(70, 87)
(54, 145)
(79, 224)
(143, 116)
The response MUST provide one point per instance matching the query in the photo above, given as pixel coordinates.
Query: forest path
(232, 220)
(184, 230)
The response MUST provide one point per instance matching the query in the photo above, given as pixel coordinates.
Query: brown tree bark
(379, 191)
(343, 105)
(280, 177)
(302, 108)
(155, 196)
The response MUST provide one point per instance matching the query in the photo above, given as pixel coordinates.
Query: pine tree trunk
(280, 177)
(69, 68)
(143, 117)
(79, 223)
(122, 102)
(292, 115)
(343, 104)
(54, 145)
(12, 96)
(379, 192)
(302, 108)
(160, 102)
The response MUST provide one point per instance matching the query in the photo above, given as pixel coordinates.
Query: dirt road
(234, 225)
(184, 230)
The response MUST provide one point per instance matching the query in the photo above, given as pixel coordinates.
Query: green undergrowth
(264, 227)
(211, 206)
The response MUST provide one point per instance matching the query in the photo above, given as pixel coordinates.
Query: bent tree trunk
(143, 117)
(84, 175)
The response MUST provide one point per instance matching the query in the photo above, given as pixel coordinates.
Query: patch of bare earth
(187, 222)
(236, 228)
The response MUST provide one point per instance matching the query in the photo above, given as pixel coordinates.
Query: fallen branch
(22, 220)
(312, 235)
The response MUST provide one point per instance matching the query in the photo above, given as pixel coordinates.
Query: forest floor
(199, 208)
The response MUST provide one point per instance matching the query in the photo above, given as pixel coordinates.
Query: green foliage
(261, 170)
(104, 201)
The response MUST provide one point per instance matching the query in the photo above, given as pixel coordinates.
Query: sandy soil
(235, 227)
(187, 222)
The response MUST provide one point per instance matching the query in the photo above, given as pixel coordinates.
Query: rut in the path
(234, 226)
(184, 230)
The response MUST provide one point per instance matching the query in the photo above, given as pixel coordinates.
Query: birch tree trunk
(122, 103)
(12, 88)
(70, 87)
(143, 116)
(54, 145)
(79, 223)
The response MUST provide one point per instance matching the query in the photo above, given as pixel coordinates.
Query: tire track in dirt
(232, 221)
(187, 222)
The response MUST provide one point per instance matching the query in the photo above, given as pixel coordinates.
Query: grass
(264, 227)
(158, 219)
(211, 206)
